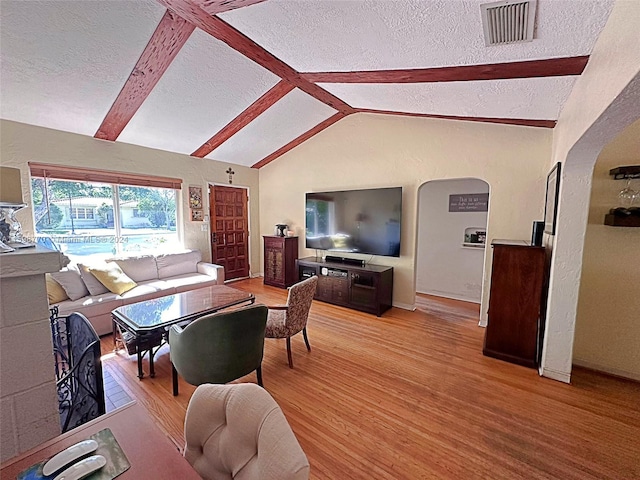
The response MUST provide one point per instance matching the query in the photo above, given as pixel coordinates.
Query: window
(82, 213)
(100, 220)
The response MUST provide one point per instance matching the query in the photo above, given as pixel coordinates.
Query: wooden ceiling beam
(170, 35)
(553, 67)
(504, 121)
(213, 7)
(246, 117)
(300, 139)
(191, 11)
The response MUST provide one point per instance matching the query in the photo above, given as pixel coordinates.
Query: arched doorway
(452, 225)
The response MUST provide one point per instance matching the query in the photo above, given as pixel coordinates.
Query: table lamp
(10, 202)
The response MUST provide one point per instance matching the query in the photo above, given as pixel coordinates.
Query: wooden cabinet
(368, 288)
(515, 302)
(280, 255)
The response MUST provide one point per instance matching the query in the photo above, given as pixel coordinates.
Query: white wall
(21, 143)
(444, 267)
(603, 102)
(607, 334)
(367, 150)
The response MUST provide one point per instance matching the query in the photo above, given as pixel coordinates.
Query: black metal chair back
(76, 348)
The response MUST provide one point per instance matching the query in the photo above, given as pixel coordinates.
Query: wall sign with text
(469, 202)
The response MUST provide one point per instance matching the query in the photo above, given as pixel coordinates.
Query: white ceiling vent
(509, 21)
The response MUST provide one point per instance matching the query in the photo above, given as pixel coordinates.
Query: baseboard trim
(555, 375)
(451, 296)
(405, 306)
(615, 372)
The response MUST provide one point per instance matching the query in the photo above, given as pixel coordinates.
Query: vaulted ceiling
(244, 81)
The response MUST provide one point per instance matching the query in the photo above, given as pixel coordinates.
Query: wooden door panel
(229, 225)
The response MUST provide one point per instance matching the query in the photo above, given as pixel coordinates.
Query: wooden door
(229, 230)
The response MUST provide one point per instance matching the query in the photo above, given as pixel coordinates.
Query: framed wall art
(195, 196)
(197, 215)
(551, 200)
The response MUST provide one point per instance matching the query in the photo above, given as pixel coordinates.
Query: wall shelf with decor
(627, 215)
(616, 220)
(474, 237)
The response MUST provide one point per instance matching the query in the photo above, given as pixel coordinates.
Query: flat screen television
(355, 221)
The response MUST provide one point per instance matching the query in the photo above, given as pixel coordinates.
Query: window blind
(62, 172)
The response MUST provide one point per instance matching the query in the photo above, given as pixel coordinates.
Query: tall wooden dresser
(280, 255)
(515, 302)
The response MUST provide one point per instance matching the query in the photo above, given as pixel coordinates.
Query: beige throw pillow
(55, 292)
(94, 286)
(72, 283)
(112, 277)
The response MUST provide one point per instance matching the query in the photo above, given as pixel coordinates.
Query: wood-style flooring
(409, 395)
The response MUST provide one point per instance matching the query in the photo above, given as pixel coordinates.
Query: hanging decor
(231, 174)
(195, 203)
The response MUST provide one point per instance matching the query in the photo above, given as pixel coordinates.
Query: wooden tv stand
(367, 288)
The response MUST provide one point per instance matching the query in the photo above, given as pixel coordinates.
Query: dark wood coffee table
(148, 322)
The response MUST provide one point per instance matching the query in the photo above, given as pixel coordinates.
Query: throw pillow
(112, 277)
(93, 284)
(72, 283)
(55, 292)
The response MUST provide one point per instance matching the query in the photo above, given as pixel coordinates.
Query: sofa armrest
(213, 270)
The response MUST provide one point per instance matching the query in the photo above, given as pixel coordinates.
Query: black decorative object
(231, 173)
(551, 200)
(76, 352)
(281, 228)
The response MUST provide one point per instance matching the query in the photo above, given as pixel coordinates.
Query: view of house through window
(103, 220)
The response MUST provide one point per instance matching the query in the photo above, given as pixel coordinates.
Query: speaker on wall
(536, 233)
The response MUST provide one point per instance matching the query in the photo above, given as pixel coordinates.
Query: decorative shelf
(619, 221)
(473, 245)
(622, 173)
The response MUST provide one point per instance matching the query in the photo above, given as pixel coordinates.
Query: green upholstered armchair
(219, 347)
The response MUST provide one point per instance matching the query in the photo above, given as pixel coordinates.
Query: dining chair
(219, 347)
(284, 321)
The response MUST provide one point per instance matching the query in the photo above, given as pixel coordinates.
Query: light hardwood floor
(409, 395)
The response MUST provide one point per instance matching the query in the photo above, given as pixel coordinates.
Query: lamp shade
(10, 186)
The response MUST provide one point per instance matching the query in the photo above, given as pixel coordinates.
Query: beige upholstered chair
(239, 432)
(284, 321)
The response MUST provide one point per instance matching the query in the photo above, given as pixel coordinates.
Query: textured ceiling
(517, 98)
(206, 86)
(318, 36)
(64, 64)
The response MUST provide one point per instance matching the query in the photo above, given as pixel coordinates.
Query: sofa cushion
(72, 283)
(142, 293)
(112, 277)
(91, 306)
(94, 285)
(189, 281)
(55, 292)
(139, 269)
(173, 264)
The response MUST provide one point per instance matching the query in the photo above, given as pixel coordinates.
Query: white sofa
(156, 276)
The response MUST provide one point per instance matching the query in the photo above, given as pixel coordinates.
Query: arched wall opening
(568, 244)
(451, 234)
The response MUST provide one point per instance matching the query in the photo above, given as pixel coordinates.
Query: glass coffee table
(145, 325)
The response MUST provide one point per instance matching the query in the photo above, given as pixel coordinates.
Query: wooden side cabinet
(280, 255)
(515, 302)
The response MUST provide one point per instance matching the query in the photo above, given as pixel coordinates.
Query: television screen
(355, 221)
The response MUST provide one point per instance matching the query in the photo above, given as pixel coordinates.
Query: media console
(368, 288)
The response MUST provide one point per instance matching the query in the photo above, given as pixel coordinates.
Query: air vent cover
(509, 21)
